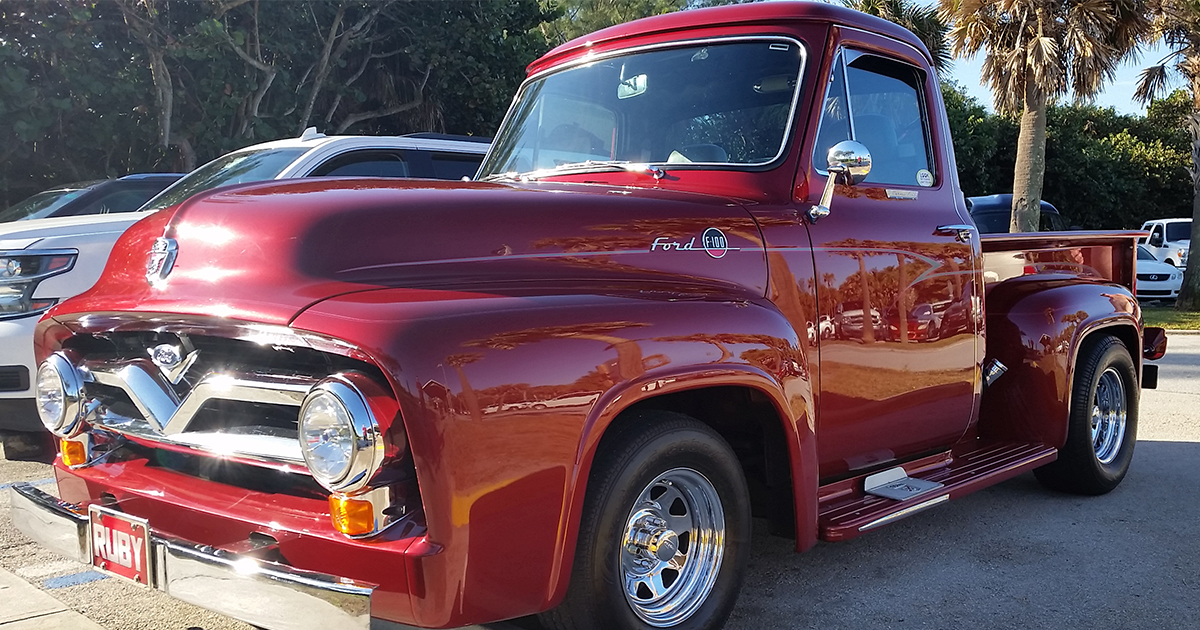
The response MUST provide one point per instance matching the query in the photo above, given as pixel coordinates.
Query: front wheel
(664, 536)
(1102, 429)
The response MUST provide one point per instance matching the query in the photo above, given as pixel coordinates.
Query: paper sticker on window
(924, 178)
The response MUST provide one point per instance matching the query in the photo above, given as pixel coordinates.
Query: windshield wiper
(596, 166)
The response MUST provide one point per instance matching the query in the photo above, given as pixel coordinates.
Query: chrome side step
(908, 511)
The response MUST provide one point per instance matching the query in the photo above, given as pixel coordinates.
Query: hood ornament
(162, 259)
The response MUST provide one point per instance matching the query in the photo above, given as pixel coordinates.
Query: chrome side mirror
(849, 163)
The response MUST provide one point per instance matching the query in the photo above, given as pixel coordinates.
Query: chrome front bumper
(265, 594)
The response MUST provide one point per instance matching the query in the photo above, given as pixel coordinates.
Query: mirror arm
(818, 212)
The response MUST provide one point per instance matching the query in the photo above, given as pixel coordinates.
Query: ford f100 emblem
(713, 241)
(162, 258)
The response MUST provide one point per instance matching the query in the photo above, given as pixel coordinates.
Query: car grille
(1153, 277)
(238, 398)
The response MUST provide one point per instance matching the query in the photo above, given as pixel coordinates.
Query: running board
(846, 515)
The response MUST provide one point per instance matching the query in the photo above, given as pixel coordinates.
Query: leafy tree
(1035, 51)
(923, 21)
(1177, 25)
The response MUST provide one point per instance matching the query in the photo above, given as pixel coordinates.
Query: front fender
(505, 399)
(1036, 327)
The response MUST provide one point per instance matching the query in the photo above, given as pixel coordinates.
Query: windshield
(45, 203)
(719, 103)
(1179, 231)
(235, 168)
(1144, 254)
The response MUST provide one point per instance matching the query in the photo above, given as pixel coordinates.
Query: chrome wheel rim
(1109, 413)
(671, 547)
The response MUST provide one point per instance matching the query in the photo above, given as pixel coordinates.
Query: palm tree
(923, 21)
(1177, 25)
(1036, 51)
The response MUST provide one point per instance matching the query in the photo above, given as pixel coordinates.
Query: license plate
(120, 544)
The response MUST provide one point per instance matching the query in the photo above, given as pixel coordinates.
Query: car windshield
(235, 168)
(1144, 254)
(45, 203)
(1179, 231)
(726, 104)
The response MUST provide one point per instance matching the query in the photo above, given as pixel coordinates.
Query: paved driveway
(1012, 556)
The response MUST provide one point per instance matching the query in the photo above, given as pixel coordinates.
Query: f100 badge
(162, 258)
(712, 241)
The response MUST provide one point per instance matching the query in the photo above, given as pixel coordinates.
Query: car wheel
(1102, 428)
(665, 531)
(1170, 262)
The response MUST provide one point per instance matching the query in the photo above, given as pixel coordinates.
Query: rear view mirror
(631, 87)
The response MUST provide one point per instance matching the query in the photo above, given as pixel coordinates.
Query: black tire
(632, 458)
(1080, 469)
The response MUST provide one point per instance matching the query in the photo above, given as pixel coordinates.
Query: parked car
(300, 441)
(101, 196)
(1156, 280)
(993, 213)
(52, 259)
(1169, 240)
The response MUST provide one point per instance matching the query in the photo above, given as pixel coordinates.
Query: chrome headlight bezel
(367, 445)
(70, 385)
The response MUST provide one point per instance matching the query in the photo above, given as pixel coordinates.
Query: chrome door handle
(961, 232)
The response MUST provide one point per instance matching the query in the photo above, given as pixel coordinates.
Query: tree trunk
(1031, 163)
(1189, 294)
(164, 93)
(868, 322)
(323, 64)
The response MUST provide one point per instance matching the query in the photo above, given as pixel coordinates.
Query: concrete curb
(27, 607)
(1182, 332)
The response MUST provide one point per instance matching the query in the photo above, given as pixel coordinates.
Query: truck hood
(264, 252)
(24, 234)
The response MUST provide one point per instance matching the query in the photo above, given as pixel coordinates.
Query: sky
(1117, 94)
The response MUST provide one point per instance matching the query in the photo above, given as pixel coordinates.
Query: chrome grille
(235, 399)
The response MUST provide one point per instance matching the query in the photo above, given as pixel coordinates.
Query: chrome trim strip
(588, 58)
(261, 388)
(908, 511)
(141, 379)
(265, 594)
(52, 523)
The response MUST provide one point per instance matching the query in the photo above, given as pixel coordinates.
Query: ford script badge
(162, 258)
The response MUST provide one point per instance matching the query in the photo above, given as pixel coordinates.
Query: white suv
(1169, 240)
(44, 261)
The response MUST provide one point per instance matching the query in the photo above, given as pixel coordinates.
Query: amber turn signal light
(353, 517)
(73, 453)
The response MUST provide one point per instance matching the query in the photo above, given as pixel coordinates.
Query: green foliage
(78, 99)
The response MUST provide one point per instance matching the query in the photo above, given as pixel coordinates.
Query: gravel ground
(1014, 555)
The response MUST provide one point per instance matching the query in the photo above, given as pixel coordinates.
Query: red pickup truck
(568, 387)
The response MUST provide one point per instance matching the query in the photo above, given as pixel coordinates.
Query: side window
(363, 164)
(117, 201)
(455, 166)
(881, 104)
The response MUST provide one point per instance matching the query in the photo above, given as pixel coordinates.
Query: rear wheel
(665, 531)
(1102, 429)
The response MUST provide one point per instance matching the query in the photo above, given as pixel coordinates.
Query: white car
(1156, 280)
(1169, 240)
(44, 261)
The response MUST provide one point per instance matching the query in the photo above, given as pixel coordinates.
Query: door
(898, 373)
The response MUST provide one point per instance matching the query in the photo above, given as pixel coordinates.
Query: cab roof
(766, 13)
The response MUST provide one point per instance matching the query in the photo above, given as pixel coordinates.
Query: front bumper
(258, 592)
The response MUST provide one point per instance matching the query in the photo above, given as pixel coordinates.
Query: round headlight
(339, 436)
(59, 392)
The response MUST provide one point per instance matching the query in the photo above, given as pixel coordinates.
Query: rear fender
(1037, 328)
(505, 398)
